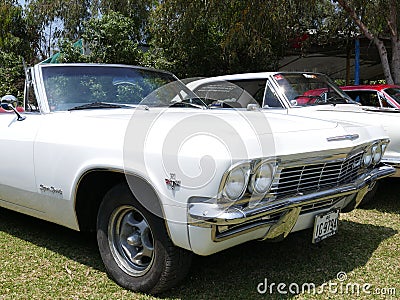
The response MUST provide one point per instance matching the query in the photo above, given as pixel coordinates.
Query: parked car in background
(133, 155)
(377, 95)
(298, 93)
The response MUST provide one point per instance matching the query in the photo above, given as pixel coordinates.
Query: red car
(378, 95)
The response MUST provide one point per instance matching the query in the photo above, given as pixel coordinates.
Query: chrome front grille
(313, 177)
(319, 205)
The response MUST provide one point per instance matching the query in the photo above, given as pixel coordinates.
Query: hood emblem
(347, 137)
(172, 182)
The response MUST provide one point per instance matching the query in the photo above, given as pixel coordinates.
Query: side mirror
(8, 100)
(7, 104)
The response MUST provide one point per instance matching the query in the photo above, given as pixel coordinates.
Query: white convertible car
(132, 154)
(302, 94)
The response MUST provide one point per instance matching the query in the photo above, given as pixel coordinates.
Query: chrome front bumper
(280, 215)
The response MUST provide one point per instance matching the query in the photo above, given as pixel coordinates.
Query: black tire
(125, 227)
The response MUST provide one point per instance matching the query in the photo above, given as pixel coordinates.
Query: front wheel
(135, 247)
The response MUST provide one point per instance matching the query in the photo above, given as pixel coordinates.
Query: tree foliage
(379, 21)
(138, 11)
(183, 43)
(11, 74)
(108, 39)
(56, 19)
(14, 45)
(221, 36)
(66, 19)
(112, 39)
(198, 37)
(13, 30)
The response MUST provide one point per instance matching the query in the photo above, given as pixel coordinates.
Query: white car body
(63, 163)
(389, 119)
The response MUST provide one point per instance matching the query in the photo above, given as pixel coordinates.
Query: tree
(185, 38)
(65, 19)
(11, 75)
(378, 21)
(264, 29)
(136, 10)
(112, 39)
(221, 36)
(14, 45)
(13, 28)
(56, 19)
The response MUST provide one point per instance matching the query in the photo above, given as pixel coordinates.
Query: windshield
(394, 93)
(235, 94)
(71, 86)
(303, 89)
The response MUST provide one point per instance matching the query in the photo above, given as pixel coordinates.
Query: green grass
(40, 260)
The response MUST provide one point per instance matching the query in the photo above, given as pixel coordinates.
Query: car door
(17, 179)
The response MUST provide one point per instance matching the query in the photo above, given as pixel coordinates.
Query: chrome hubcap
(131, 240)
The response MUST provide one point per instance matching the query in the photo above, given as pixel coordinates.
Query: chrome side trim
(350, 137)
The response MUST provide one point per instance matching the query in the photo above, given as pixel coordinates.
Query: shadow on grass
(236, 272)
(80, 247)
(387, 198)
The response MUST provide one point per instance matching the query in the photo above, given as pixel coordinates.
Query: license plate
(325, 225)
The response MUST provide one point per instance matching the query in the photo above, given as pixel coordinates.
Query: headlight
(376, 153)
(384, 146)
(262, 178)
(236, 181)
(367, 158)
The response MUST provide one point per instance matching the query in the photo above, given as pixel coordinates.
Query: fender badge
(350, 137)
(171, 182)
(51, 190)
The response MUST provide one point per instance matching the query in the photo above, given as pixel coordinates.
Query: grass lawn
(40, 260)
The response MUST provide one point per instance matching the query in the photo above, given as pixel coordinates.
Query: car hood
(190, 141)
(347, 113)
(289, 134)
(260, 122)
(265, 122)
(389, 120)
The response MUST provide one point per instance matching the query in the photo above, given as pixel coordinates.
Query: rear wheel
(135, 247)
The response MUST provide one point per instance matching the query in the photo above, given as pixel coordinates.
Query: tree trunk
(368, 34)
(392, 25)
(384, 60)
(396, 60)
